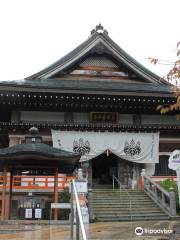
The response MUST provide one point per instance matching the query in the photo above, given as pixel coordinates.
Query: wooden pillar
(90, 180)
(3, 209)
(56, 193)
(10, 196)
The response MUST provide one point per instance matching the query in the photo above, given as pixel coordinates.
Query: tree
(173, 76)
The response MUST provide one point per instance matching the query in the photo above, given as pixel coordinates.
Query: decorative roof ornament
(34, 136)
(33, 130)
(99, 29)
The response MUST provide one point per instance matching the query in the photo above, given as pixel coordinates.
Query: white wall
(126, 119)
(81, 117)
(33, 116)
(159, 119)
(15, 116)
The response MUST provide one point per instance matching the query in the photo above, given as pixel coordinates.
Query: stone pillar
(172, 202)
(80, 173)
(141, 179)
(150, 168)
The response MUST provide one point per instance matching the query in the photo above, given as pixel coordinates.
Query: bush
(64, 197)
(63, 214)
(170, 183)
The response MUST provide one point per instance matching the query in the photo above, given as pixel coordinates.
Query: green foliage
(64, 197)
(170, 183)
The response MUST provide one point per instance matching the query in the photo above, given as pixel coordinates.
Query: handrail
(118, 181)
(79, 218)
(130, 201)
(165, 200)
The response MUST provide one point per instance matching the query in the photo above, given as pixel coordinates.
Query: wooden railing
(36, 182)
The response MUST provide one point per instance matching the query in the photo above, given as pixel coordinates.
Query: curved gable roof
(98, 42)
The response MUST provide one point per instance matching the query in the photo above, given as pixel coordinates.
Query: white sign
(38, 213)
(61, 205)
(85, 214)
(174, 160)
(81, 186)
(174, 164)
(28, 213)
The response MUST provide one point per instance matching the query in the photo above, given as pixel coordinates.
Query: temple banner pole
(4, 193)
(10, 196)
(56, 193)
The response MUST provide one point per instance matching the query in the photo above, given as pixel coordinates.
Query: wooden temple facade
(97, 87)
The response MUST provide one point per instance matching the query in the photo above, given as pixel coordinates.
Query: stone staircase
(109, 205)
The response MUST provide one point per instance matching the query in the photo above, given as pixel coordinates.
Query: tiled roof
(39, 153)
(98, 41)
(90, 85)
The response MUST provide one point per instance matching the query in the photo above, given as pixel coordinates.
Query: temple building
(98, 103)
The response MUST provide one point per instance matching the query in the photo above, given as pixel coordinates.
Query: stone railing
(165, 200)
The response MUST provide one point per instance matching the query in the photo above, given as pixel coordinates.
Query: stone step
(132, 218)
(118, 192)
(120, 198)
(105, 207)
(121, 201)
(118, 195)
(133, 214)
(108, 205)
(115, 190)
(127, 212)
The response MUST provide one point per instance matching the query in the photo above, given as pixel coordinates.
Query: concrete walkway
(106, 231)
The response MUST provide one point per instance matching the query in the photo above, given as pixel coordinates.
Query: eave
(17, 128)
(87, 86)
(45, 101)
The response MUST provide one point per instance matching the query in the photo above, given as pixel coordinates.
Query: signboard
(28, 213)
(61, 205)
(174, 160)
(104, 117)
(81, 186)
(174, 164)
(38, 213)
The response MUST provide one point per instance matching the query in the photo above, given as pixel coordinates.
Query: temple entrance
(103, 168)
(125, 173)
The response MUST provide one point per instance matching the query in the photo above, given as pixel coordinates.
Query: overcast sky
(35, 33)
